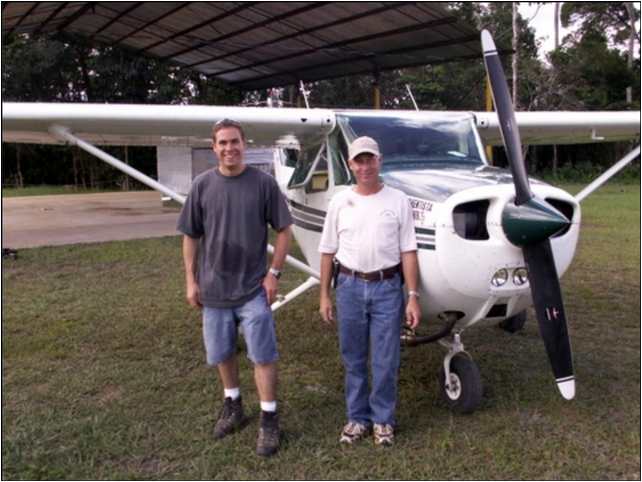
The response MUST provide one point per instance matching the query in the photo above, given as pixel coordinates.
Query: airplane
(491, 242)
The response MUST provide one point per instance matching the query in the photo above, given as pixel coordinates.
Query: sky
(541, 18)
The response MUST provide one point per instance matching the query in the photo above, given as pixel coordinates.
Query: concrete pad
(33, 221)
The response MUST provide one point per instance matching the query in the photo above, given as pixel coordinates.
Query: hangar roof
(262, 44)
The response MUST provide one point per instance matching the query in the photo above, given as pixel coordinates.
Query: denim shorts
(220, 331)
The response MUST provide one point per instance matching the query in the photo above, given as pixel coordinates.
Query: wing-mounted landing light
(529, 223)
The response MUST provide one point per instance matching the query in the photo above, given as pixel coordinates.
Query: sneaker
(353, 432)
(230, 419)
(384, 434)
(267, 442)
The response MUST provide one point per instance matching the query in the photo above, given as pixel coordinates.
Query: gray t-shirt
(230, 215)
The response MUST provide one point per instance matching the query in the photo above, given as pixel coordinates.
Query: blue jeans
(220, 331)
(369, 314)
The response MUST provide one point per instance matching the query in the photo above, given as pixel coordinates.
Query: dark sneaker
(267, 442)
(353, 432)
(230, 419)
(384, 435)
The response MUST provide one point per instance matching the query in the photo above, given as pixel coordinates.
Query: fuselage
(457, 201)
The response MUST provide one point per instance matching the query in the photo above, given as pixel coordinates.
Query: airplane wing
(549, 127)
(153, 125)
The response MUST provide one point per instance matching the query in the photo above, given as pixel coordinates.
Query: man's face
(229, 147)
(365, 168)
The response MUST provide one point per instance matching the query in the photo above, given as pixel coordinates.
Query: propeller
(529, 222)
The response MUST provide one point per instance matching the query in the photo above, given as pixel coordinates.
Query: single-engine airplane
(491, 241)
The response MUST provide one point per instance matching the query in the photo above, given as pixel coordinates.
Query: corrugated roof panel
(261, 44)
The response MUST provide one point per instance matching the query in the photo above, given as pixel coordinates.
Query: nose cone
(532, 222)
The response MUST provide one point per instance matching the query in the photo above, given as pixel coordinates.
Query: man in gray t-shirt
(224, 222)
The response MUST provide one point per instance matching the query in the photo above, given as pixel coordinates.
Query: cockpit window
(408, 142)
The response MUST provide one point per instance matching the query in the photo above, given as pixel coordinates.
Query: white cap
(361, 145)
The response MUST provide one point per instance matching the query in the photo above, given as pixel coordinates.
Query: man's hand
(194, 295)
(270, 285)
(325, 309)
(413, 312)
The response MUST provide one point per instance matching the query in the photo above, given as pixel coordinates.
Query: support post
(376, 91)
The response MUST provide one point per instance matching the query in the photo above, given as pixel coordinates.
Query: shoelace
(384, 430)
(353, 428)
(226, 410)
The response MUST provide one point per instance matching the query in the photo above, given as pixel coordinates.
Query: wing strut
(64, 133)
(608, 174)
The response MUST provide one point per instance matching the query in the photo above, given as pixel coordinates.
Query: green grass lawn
(103, 376)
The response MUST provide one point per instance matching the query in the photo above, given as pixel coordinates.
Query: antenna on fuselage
(305, 93)
(412, 97)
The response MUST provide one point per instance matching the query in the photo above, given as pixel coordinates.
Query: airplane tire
(465, 391)
(514, 323)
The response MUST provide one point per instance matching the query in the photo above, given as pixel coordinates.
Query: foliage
(611, 19)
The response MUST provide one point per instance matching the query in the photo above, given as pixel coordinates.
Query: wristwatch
(413, 293)
(275, 272)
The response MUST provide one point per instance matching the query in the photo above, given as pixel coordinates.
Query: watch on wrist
(275, 272)
(413, 293)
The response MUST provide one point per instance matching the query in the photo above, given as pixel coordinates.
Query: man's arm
(410, 272)
(190, 255)
(281, 248)
(325, 302)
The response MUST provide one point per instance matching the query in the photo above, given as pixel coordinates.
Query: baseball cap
(361, 145)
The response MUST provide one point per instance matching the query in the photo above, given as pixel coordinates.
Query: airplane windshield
(413, 141)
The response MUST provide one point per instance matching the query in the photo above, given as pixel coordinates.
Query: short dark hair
(225, 123)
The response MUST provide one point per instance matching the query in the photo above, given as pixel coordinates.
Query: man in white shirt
(369, 231)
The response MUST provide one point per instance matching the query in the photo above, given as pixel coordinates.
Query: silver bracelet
(413, 293)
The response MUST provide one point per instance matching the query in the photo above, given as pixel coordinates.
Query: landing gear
(459, 378)
(514, 323)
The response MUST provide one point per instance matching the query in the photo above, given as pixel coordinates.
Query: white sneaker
(384, 434)
(353, 432)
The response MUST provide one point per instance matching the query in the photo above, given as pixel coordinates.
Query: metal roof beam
(19, 22)
(303, 32)
(216, 18)
(77, 14)
(115, 19)
(283, 16)
(343, 43)
(150, 23)
(50, 18)
(443, 43)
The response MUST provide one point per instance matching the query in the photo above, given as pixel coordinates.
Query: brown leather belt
(372, 275)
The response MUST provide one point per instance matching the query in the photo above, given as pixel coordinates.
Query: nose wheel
(459, 379)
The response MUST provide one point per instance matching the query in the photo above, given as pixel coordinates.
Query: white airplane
(491, 241)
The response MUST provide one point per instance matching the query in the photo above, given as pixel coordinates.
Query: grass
(103, 376)
(47, 190)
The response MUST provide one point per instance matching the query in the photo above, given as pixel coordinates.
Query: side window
(305, 164)
(339, 155)
(291, 156)
(319, 180)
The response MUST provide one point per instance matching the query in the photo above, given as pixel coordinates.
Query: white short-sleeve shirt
(368, 233)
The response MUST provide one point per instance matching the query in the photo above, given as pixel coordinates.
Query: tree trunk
(557, 45)
(74, 161)
(515, 55)
(557, 25)
(126, 160)
(632, 35)
(19, 178)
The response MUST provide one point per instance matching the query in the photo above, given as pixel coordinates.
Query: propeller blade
(549, 308)
(506, 116)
